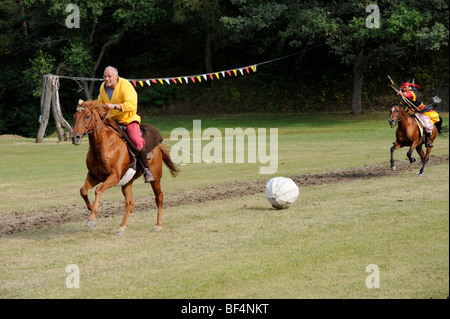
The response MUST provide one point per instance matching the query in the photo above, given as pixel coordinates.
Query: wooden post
(45, 109)
(50, 99)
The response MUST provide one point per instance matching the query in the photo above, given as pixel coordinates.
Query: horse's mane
(95, 105)
(150, 134)
(400, 106)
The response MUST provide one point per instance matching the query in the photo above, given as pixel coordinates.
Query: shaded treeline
(342, 60)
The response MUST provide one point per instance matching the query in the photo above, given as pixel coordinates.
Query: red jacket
(414, 97)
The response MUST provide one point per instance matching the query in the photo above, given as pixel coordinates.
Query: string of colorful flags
(195, 78)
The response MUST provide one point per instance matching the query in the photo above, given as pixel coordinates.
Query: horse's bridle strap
(92, 119)
(398, 119)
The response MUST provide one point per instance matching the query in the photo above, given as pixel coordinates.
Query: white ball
(281, 192)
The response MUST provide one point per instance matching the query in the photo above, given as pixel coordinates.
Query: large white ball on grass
(281, 192)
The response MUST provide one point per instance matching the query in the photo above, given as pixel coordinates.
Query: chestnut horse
(407, 134)
(108, 160)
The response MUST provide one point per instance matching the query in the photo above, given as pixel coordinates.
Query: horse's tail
(442, 130)
(168, 161)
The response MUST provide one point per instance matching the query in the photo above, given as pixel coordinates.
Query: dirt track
(22, 221)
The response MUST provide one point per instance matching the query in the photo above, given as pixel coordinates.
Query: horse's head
(87, 114)
(395, 114)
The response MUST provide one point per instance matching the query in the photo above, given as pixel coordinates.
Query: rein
(398, 119)
(92, 118)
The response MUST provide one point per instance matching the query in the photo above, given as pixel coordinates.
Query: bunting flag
(196, 78)
(187, 78)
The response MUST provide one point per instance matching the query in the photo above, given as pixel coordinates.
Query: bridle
(87, 132)
(398, 119)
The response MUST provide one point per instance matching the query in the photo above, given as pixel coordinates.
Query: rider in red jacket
(426, 113)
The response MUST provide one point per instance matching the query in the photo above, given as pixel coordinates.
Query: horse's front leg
(393, 148)
(90, 183)
(108, 183)
(409, 154)
(410, 151)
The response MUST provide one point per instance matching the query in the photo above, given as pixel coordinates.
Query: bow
(397, 89)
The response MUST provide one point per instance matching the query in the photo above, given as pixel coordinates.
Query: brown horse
(407, 134)
(108, 160)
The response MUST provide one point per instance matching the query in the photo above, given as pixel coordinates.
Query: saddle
(429, 108)
(149, 133)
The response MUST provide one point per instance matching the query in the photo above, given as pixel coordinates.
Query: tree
(346, 27)
(35, 39)
(80, 50)
(203, 15)
(260, 21)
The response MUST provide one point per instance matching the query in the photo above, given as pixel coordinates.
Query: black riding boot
(428, 138)
(142, 156)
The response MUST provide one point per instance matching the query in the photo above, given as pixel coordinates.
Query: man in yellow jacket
(120, 97)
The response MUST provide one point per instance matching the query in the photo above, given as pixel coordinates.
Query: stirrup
(148, 177)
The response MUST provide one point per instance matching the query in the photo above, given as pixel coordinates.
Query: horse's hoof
(120, 231)
(419, 174)
(412, 160)
(393, 168)
(91, 223)
(157, 228)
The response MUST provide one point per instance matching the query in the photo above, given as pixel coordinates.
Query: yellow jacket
(125, 95)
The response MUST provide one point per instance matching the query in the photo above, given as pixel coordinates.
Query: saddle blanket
(129, 174)
(149, 133)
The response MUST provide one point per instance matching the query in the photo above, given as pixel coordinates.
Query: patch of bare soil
(10, 136)
(22, 221)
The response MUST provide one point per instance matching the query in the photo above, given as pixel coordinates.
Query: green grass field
(238, 247)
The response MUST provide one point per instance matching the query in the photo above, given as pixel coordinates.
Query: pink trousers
(134, 133)
(427, 122)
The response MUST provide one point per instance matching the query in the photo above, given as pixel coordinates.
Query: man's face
(110, 78)
(405, 88)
